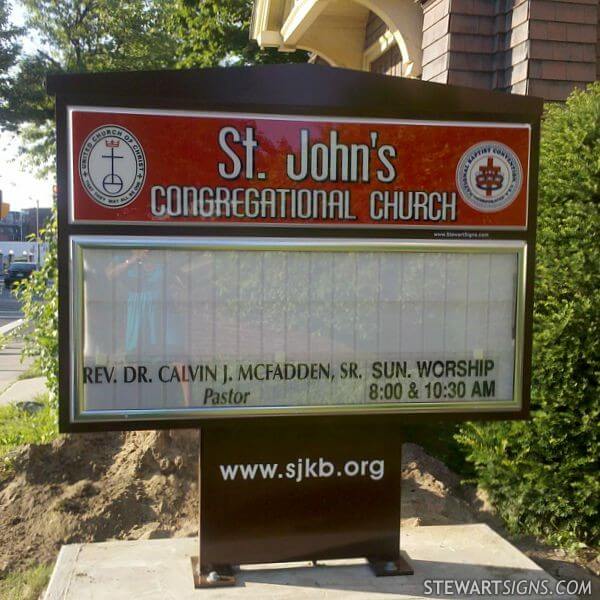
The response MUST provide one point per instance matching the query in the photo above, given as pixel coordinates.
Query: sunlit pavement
(10, 363)
(159, 569)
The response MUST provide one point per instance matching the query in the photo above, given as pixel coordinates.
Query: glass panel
(173, 328)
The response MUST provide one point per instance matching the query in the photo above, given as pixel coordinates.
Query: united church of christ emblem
(112, 166)
(489, 176)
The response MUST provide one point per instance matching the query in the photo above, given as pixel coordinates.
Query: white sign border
(279, 117)
(78, 243)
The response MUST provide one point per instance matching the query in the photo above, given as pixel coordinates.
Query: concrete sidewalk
(24, 390)
(12, 389)
(10, 364)
(161, 570)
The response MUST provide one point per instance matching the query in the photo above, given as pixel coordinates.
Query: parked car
(17, 272)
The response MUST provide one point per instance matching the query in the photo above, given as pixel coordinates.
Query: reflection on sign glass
(199, 328)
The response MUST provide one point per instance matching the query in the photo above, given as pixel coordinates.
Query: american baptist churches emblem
(112, 166)
(489, 176)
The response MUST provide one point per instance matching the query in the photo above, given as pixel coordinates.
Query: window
(382, 54)
(389, 63)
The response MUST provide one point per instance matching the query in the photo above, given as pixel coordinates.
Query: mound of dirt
(94, 488)
(431, 493)
(144, 485)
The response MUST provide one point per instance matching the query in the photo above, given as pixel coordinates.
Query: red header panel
(191, 168)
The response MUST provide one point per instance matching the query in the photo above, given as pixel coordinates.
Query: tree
(77, 36)
(101, 35)
(105, 35)
(9, 48)
(217, 32)
(542, 474)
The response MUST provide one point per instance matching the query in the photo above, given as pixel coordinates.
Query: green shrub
(543, 475)
(18, 427)
(39, 297)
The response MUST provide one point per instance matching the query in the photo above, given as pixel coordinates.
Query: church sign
(297, 261)
(231, 263)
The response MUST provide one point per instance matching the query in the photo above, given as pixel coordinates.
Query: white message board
(169, 327)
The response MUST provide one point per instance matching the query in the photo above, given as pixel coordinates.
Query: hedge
(542, 475)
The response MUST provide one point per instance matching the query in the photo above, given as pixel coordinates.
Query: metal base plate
(224, 576)
(382, 568)
(221, 577)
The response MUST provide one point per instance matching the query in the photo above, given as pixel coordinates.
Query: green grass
(26, 585)
(33, 371)
(17, 427)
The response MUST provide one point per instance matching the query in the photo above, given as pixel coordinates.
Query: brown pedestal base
(340, 503)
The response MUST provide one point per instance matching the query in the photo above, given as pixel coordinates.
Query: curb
(23, 390)
(11, 326)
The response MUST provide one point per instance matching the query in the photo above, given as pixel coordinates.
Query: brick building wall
(539, 47)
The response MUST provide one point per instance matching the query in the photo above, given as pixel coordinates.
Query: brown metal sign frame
(286, 90)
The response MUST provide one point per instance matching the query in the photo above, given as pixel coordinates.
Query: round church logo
(112, 166)
(489, 176)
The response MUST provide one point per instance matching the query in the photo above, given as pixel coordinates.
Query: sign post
(296, 260)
